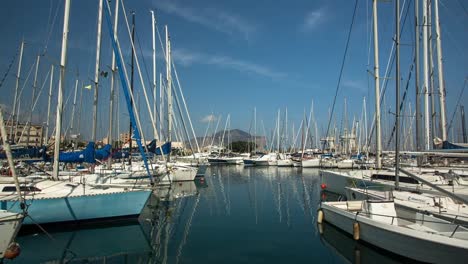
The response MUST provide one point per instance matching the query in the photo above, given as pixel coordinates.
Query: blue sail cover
(166, 148)
(120, 155)
(448, 145)
(86, 155)
(103, 153)
(25, 153)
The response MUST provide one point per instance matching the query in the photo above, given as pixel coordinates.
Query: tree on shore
(242, 146)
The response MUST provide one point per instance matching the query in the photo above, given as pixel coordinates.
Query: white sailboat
(439, 206)
(10, 222)
(424, 238)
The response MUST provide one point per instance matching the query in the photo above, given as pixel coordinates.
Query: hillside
(233, 135)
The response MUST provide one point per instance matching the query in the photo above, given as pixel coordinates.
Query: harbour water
(233, 215)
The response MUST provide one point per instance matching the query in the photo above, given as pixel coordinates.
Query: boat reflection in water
(98, 243)
(353, 251)
(142, 240)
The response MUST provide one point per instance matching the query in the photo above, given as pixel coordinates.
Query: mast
(161, 105)
(462, 112)
(416, 78)
(378, 137)
(96, 72)
(63, 60)
(11, 163)
(15, 99)
(33, 99)
(286, 139)
(255, 129)
(431, 71)
(168, 88)
(74, 107)
(112, 85)
(131, 88)
(48, 104)
(278, 132)
(427, 134)
(153, 24)
(397, 79)
(443, 118)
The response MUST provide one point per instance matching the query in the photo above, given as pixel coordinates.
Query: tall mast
(11, 163)
(427, 115)
(431, 71)
(153, 24)
(48, 104)
(416, 78)
(96, 72)
(168, 88)
(278, 132)
(397, 103)
(378, 137)
(73, 107)
(462, 113)
(131, 88)
(15, 99)
(161, 105)
(112, 85)
(255, 129)
(33, 99)
(63, 60)
(286, 139)
(443, 118)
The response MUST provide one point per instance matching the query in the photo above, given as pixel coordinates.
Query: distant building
(20, 133)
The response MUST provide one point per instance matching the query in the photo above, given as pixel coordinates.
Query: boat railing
(456, 226)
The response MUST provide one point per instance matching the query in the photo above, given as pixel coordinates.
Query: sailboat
(52, 201)
(379, 222)
(10, 222)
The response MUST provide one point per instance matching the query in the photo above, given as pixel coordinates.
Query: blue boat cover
(25, 153)
(166, 148)
(86, 155)
(103, 153)
(448, 145)
(120, 155)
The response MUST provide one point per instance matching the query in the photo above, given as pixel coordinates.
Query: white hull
(310, 163)
(411, 203)
(285, 163)
(10, 224)
(415, 244)
(336, 181)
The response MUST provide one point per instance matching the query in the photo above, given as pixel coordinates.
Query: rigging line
(341, 70)
(21, 91)
(401, 104)
(46, 44)
(390, 62)
(460, 3)
(458, 102)
(9, 68)
(148, 79)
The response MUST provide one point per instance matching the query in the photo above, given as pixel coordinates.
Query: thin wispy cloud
(314, 18)
(187, 58)
(355, 85)
(208, 118)
(213, 18)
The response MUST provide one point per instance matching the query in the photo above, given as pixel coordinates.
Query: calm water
(236, 215)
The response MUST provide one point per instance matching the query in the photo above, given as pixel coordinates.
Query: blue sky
(232, 56)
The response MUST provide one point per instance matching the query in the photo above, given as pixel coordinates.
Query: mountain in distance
(234, 135)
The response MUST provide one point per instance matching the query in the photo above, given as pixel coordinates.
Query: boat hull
(285, 163)
(81, 208)
(310, 163)
(396, 239)
(249, 162)
(10, 224)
